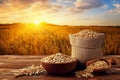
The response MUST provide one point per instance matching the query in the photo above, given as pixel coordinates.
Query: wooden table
(10, 63)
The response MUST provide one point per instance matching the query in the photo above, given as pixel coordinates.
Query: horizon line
(51, 24)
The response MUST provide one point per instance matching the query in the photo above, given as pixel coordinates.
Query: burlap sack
(87, 43)
(83, 54)
(86, 49)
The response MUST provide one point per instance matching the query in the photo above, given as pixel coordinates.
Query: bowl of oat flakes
(59, 64)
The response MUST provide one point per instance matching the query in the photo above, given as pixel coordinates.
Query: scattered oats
(31, 70)
(100, 64)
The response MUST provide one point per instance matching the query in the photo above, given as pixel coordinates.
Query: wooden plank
(9, 64)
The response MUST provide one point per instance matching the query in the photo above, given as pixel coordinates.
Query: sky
(63, 12)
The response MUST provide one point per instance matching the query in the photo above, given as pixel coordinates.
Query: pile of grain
(100, 64)
(58, 58)
(87, 34)
(31, 70)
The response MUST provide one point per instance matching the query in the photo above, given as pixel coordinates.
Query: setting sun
(37, 22)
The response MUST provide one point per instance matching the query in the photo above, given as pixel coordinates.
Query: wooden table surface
(10, 63)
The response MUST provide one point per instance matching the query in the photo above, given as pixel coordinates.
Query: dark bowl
(59, 68)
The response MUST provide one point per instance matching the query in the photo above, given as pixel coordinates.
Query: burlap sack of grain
(84, 54)
(86, 48)
(87, 43)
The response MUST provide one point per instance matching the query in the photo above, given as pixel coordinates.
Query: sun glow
(37, 22)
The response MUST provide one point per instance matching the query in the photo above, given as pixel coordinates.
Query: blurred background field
(45, 39)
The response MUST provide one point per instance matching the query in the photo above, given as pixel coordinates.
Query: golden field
(45, 39)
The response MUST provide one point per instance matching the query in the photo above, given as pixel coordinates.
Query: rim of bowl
(60, 63)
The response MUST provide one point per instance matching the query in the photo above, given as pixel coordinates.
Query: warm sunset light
(61, 12)
(37, 22)
(41, 38)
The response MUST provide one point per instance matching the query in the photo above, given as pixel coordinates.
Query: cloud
(117, 5)
(83, 5)
(51, 8)
(116, 10)
(115, 1)
(26, 9)
(76, 10)
(105, 6)
(88, 4)
(22, 4)
(28, 4)
(67, 1)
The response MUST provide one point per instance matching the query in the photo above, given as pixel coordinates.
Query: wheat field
(30, 39)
